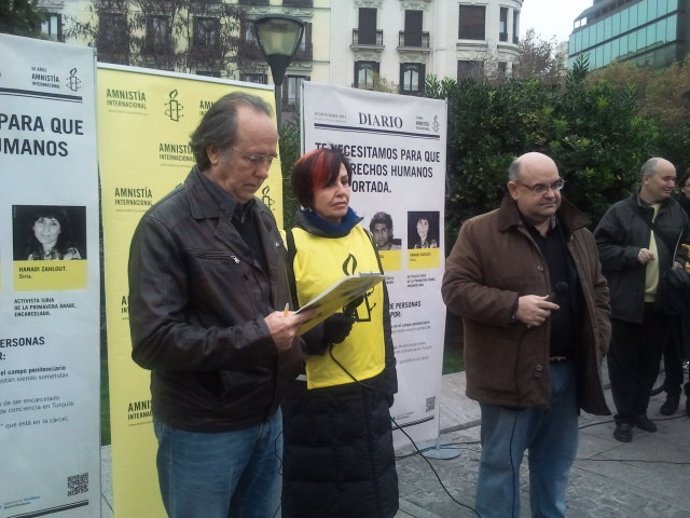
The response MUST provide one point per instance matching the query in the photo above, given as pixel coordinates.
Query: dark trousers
(673, 362)
(633, 361)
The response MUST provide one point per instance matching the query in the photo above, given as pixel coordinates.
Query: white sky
(551, 18)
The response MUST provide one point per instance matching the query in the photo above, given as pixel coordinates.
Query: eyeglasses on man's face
(255, 159)
(542, 188)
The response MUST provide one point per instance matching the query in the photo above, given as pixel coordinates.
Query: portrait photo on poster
(48, 232)
(422, 229)
(381, 228)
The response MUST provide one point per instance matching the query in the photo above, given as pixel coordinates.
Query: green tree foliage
(594, 131)
(20, 17)
(664, 96)
(290, 147)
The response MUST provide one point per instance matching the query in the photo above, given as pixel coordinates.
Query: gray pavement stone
(647, 478)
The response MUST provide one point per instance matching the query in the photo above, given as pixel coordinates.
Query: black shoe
(643, 423)
(670, 405)
(623, 432)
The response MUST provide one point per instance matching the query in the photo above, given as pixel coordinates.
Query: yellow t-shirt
(651, 282)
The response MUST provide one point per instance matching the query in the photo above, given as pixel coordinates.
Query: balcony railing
(298, 3)
(305, 54)
(365, 39)
(413, 39)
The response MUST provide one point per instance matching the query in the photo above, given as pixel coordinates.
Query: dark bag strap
(292, 251)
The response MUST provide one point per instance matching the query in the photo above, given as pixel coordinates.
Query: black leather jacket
(620, 234)
(197, 302)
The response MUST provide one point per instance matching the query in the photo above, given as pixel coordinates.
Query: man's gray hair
(514, 170)
(649, 167)
(218, 127)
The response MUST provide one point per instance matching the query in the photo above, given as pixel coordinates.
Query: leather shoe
(643, 423)
(670, 405)
(623, 432)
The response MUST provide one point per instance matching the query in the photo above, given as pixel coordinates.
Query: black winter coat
(338, 459)
(620, 234)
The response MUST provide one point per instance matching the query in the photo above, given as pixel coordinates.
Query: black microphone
(559, 289)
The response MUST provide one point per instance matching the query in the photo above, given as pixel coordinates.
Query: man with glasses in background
(208, 316)
(639, 239)
(527, 282)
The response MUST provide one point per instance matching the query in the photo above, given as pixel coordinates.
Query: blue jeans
(220, 475)
(550, 435)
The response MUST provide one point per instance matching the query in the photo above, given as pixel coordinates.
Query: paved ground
(647, 478)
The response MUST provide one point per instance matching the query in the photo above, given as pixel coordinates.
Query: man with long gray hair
(208, 294)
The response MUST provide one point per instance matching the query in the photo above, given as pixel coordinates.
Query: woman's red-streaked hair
(317, 169)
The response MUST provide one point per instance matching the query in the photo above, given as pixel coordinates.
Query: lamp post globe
(278, 35)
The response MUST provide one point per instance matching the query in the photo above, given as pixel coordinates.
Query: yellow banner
(145, 119)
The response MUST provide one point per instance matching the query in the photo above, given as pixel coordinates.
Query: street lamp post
(278, 36)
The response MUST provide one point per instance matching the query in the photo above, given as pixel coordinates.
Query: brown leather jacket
(493, 262)
(197, 302)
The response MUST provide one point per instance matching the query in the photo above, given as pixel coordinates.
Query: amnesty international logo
(267, 198)
(173, 108)
(73, 82)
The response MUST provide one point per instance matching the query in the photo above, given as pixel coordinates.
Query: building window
(365, 72)
(112, 38)
(206, 32)
(502, 70)
(503, 25)
(157, 34)
(413, 28)
(51, 26)
(291, 89)
(367, 26)
(412, 78)
(249, 36)
(254, 78)
(470, 70)
(516, 26)
(471, 24)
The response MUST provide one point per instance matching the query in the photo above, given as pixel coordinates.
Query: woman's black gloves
(337, 327)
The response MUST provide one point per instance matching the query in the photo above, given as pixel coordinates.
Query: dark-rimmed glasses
(542, 188)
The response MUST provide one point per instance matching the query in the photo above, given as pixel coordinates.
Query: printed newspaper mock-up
(397, 146)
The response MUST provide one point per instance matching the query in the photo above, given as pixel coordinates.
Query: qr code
(77, 484)
(430, 403)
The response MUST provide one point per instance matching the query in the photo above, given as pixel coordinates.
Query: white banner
(397, 145)
(49, 282)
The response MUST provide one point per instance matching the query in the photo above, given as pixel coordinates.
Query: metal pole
(279, 108)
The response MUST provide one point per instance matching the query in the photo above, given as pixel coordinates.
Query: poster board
(49, 281)
(397, 146)
(145, 121)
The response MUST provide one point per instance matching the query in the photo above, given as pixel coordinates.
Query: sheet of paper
(337, 296)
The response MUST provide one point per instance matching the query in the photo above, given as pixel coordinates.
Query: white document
(337, 296)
